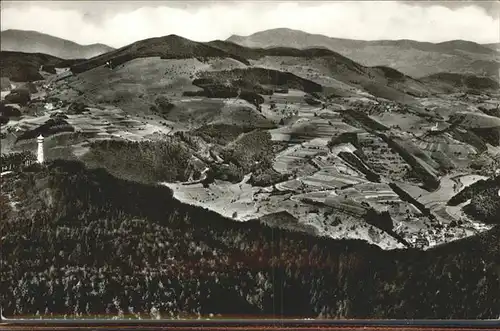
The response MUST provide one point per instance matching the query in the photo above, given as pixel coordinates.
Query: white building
(40, 156)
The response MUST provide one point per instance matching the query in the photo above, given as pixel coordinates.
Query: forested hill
(80, 242)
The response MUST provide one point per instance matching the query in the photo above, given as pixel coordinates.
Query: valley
(327, 157)
(213, 150)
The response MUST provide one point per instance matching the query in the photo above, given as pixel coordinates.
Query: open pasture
(404, 122)
(311, 70)
(309, 127)
(444, 106)
(475, 120)
(223, 197)
(457, 153)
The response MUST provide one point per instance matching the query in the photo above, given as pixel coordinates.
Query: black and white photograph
(222, 160)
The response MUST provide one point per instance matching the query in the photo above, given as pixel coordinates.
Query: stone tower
(40, 156)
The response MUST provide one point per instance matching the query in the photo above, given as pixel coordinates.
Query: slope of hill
(26, 67)
(339, 74)
(484, 200)
(257, 79)
(414, 58)
(180, 260)
(36, 42)
(454, 81)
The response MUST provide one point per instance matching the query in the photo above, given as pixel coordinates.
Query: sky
(118, 23)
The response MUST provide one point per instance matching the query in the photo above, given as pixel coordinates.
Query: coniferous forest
(117, 248)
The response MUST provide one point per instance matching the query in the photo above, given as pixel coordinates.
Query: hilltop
(36, 42)
(167, 47)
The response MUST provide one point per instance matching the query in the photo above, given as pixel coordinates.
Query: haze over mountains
(413, 58)
(36, 42)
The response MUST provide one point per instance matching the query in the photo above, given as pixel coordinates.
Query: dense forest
(145, 161)
(242, 151)
(484, 200)
(79, 242)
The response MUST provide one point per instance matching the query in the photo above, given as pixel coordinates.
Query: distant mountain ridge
(308, 40)
(36, 42)
(411, 57)
(335, 74)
